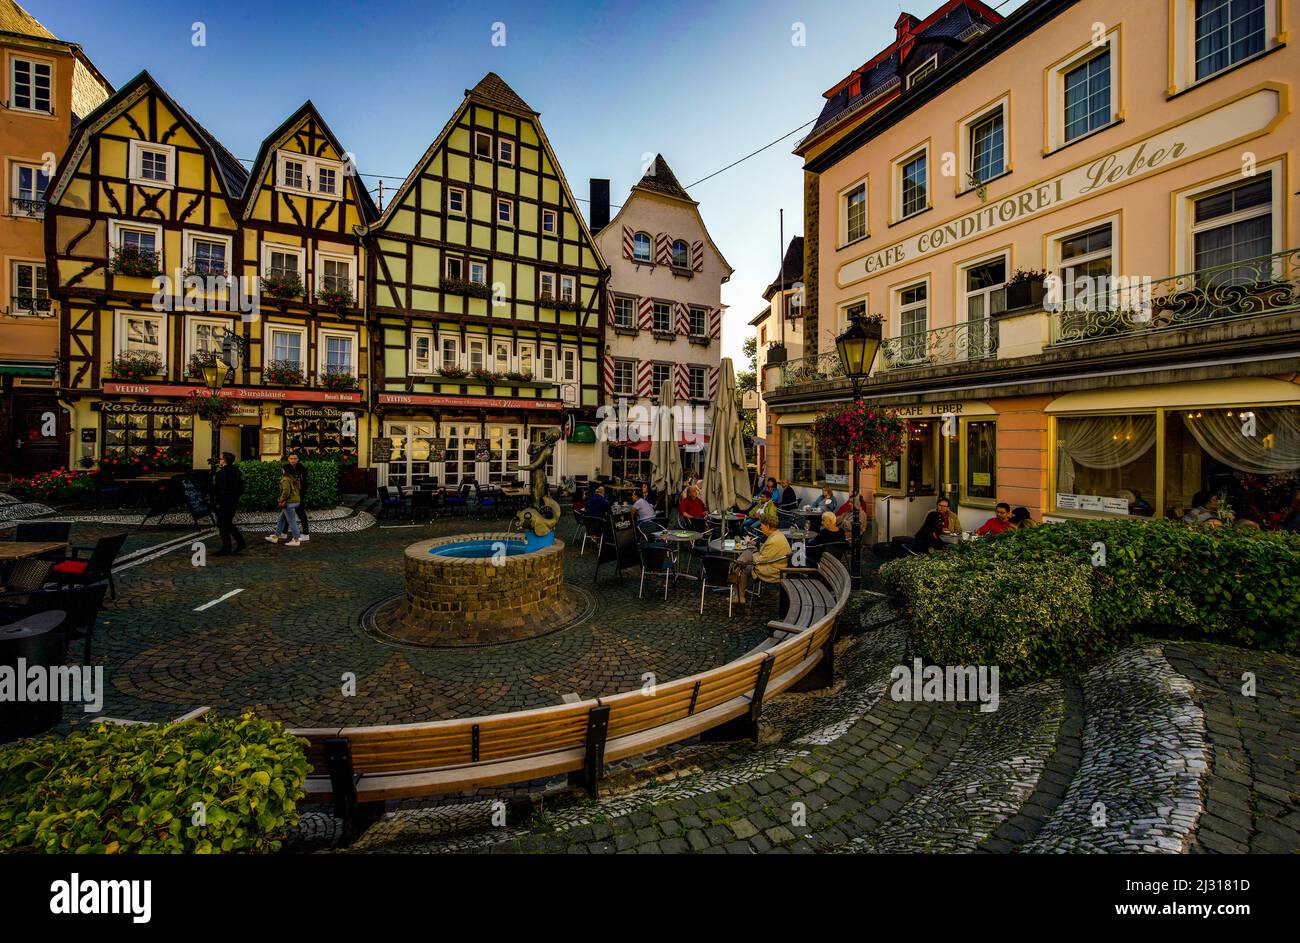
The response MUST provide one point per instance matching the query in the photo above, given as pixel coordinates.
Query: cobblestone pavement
(283, 643)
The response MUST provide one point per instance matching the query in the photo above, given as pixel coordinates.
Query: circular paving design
(291, 643)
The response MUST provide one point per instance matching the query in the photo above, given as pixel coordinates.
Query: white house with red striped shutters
(664, 312)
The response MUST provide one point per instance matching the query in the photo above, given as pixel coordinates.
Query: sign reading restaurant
(230, 392)
(1243, 118)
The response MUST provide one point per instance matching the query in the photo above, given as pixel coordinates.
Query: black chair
(487, 499)
(594, 530)
(80, 605)
(390, 501)
(656, 561)
(715, 577)
(97, 567)
(45, 532)
(28, 575)
(422, 504)
(458, 500)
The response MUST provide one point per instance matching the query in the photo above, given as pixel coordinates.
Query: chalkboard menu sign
(622, 550)
(483, 450)
(381, 449)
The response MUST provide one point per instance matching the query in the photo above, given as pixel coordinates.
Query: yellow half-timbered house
(488, 303)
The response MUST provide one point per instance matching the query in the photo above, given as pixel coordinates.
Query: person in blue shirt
(827, 500)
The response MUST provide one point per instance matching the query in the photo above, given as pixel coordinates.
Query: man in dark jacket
(597, 504)
(299, 471)
(227, 486)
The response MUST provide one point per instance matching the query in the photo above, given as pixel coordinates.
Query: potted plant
(485, 376)
(136, 365)
(334, 297)
(340, 381)
(452, 372)
(282, 285)
(519, 376)
(136, 262)
(459, 286)
(283, 373)
(211, 406)
(1026, 289)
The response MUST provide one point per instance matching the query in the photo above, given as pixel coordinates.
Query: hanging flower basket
(860, 431)
(211, 407)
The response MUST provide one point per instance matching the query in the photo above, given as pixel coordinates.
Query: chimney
(598, 215)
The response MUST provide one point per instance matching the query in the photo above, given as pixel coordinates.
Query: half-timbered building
(488, 297)
(664, 315)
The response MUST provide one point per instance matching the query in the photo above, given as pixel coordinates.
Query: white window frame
(548, 363)
(311, 167)
(1054, 129)
(498, 365)
(841, 311)
(1182, 67)
(631, 321)
(697, 370)
(896, 177)
(190, 236)
(482, 268)
(569, 369)
(10, 79)
(965, 141)
(413, 363)
(15, 168)
(135, 170)
(120, 332)
(12, 302)
(898, 309)
(192, 323)
(268, 345)
(625, 362)
(476, 346)
(546, 286)
(1185, 227)
(703, 312)
(1055, 239)
(650, 257)
(322, 349)
(527, 357)
(446, 267)
(554, 218)
(568, 288)
(318, 273)
(672, 250)
(117, 227)
(298, 251)
(464, 201)
(502, 145)
(655, 305)
(509, 204)
(845, 236)
(491, 150)
(443, 341)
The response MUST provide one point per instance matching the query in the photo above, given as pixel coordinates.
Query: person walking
(227, 486)
(290, 499)
(299, 471)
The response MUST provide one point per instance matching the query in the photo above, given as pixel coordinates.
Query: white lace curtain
(1275, 446)
(1100, 442)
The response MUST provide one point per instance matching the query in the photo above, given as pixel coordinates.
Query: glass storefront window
(921, 461)
(798, 461)
(135, 433)
(1248, 455)
(1106, 463)
(981, 459)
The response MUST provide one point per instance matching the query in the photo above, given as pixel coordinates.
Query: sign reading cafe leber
(1242, 118)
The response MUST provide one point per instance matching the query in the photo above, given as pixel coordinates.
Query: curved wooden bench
(361, 768)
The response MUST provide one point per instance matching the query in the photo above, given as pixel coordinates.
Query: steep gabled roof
(14, 19)
(493, 92)
(659, 178)
(230, 172)
(791, 270)
(272, 142)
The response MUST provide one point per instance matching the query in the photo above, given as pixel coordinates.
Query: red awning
(693, 438)
(640, 445)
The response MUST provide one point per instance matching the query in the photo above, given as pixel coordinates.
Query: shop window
(799, 461)
(319, 430)
(921, 465)
(133, 430)
(1248, 455)
(981, 460)
(628, 463)
(1105, 463)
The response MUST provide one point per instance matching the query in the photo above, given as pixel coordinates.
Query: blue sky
(703, 83)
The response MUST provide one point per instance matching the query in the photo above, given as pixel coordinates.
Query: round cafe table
(678, 541)
(727, 546)
(794, 533)
(733, 520)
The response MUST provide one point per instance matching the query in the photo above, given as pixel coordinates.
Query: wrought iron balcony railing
(1251, 288)
(31, 305)
(32, 208)
(805, 370)
(956, 343)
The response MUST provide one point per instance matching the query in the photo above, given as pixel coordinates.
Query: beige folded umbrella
(726, 479)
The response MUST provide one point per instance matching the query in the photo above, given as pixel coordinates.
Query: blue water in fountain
(483, 549)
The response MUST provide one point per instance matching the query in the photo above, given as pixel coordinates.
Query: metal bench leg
(745, 727)
(593, 767)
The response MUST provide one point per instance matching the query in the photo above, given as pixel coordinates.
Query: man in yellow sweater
(766, 564)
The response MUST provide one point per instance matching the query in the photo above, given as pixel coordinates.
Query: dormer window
(928, 69)
(152, 165)
(318, 176)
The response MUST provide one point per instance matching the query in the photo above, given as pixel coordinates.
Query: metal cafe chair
(656, 561)
(715, 577)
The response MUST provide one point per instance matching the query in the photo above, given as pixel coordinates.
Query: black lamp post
(857, 348)
(214, 378)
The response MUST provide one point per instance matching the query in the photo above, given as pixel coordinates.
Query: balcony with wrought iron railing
(802, 370)
(1250, 288)
(956, 343)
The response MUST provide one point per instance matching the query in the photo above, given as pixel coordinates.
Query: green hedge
(1032, 601)
(119, 788)
(262, 484)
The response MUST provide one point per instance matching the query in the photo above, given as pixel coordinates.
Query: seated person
(844, 514)
(760, 508)
(1000, 523)
(691, 506)
(789, 499)
(597, 505)
(645, 491)
(645, 516)
(1204, 507)
(826, 501)
(938, 522)
(766, 564)
(1021, 519)
(831, 532)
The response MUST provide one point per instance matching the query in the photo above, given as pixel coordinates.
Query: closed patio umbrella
(726, 480)
(665, 456)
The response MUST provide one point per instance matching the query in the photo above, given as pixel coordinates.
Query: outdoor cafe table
(734, 519)
(727, 545)
(678, 540)
(794, 533)
(11, 550)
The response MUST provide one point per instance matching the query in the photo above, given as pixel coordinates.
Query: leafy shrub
(262, 484)
(1033, 602)
(117, 788)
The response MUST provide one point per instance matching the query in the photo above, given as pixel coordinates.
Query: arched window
(641, 247)
(681, 255)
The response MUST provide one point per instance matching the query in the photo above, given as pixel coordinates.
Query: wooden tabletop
(22, 549)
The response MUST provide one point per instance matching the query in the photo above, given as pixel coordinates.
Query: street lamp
(857, 348)
(214, 378)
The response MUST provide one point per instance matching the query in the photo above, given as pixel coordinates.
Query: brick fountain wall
(472, 601)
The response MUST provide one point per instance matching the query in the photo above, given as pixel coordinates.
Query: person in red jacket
(999, 524)
(691, 506)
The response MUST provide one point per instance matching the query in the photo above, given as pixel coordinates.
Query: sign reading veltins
(1237, 120)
